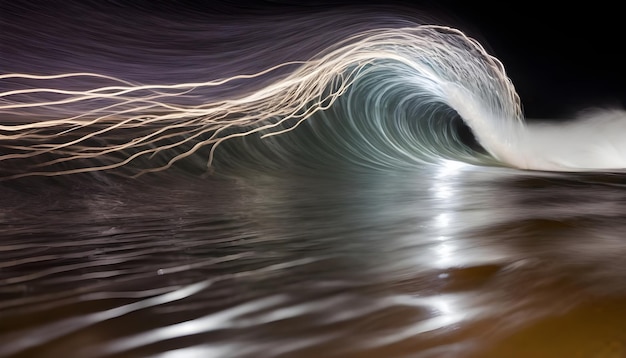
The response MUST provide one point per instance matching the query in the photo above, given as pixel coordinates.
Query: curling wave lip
(395, 88)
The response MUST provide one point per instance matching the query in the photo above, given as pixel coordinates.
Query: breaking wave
(378, 97)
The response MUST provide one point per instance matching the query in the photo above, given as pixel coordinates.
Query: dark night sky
(561, 60)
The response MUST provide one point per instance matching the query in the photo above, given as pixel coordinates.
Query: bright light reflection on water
(457, 260)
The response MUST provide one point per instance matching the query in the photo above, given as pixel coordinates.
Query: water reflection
(455, 261)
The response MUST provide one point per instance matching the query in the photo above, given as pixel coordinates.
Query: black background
(561, 58)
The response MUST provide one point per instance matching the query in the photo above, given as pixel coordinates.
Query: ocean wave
(380, 97)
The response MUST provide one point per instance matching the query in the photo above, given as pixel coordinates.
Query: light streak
(130, 121)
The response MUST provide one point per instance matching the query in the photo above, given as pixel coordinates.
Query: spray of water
(416, 75)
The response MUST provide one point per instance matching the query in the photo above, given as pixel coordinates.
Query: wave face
(358, 89)
(342, 220)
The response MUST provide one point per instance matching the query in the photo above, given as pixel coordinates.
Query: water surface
(450, 261)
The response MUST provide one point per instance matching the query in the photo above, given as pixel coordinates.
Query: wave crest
(387, 97)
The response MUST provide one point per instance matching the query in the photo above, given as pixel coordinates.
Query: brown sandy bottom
(473, 262)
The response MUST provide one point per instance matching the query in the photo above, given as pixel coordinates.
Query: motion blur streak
(397, 89)
(181, 179)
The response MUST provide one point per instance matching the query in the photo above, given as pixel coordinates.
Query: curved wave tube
(378, 98)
